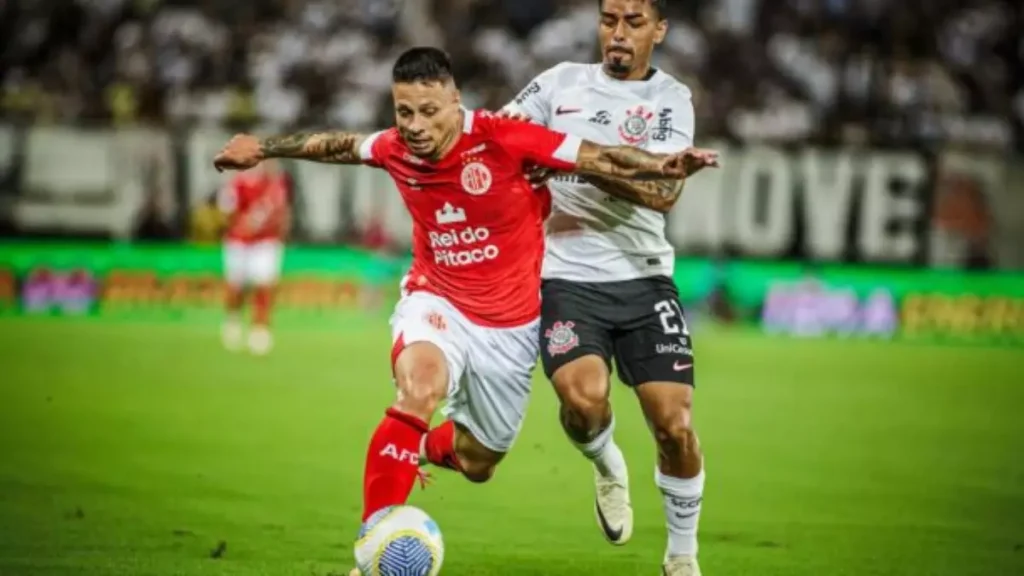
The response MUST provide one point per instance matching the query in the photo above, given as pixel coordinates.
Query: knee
(673, 430)
(420, 392)
(477, 471)
(585, 395)
(422, 382)
(476, 461)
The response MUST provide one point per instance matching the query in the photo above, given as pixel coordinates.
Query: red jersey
(478, 237)
(255, 203)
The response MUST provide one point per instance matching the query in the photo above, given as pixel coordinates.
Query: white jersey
(591, 235)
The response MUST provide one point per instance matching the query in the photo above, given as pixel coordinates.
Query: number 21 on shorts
(671, 316)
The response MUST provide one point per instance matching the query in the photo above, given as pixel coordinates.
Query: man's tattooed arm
(659, 195)
(622, 162)
(327, 147)
(635, 175)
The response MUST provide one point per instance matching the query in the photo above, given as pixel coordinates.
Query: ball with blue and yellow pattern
(399, 541)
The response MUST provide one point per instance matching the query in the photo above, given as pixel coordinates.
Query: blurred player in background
(608, 291)
(466, 327)
(258, 217)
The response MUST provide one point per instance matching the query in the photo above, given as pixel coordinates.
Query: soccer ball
(399, 541)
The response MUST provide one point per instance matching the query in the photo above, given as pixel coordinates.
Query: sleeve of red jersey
(375, 147)
(535, 144)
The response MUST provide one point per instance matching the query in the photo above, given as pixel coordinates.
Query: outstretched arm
(328, 147)
(623, 165)
(615, 164)
(244, 151)
(659, 195)
(626, 162)
(674, 135)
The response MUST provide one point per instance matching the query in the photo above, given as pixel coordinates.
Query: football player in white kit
(608, 291)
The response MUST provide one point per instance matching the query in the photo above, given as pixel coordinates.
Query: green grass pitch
(132, 449)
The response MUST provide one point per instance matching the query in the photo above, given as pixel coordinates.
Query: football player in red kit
(465, 328)
(256, 204)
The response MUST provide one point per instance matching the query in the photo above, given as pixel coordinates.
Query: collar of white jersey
(605, 78)
(467, 120)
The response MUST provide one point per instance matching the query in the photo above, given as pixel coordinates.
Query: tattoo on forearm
(629, 173)
(658, 195)
(329, 147)
(619, 161)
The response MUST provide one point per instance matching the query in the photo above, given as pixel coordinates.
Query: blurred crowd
(856, 71)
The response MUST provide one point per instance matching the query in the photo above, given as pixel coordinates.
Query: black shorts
(639, 323)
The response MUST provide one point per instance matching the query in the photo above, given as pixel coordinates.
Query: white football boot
(681, 566)
(613, 509)
(260, 341)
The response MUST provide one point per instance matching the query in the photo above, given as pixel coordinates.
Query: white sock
(682, 511)
(231, 331)
(605, 454)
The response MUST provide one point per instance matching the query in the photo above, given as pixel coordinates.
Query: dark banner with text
(954, 208)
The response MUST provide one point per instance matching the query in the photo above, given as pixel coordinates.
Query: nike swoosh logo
(680, 367)
(476, 150)
(610, 532)
(685, 516)
(561, 111)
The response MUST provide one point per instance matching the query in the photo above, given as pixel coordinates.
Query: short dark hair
(422, 64)
(659, 6)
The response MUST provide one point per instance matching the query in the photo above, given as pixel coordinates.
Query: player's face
(629, 31)
(427, 115)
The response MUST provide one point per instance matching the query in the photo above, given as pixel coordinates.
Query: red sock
(440, 447)
(392, 461)
(262, 300)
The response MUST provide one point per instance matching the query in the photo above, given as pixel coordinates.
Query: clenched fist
(242, 152)
(690, 161)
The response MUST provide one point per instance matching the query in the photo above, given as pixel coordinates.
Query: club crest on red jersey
(633, 129)
(561, 338)
(436, 320)
(476, 178)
